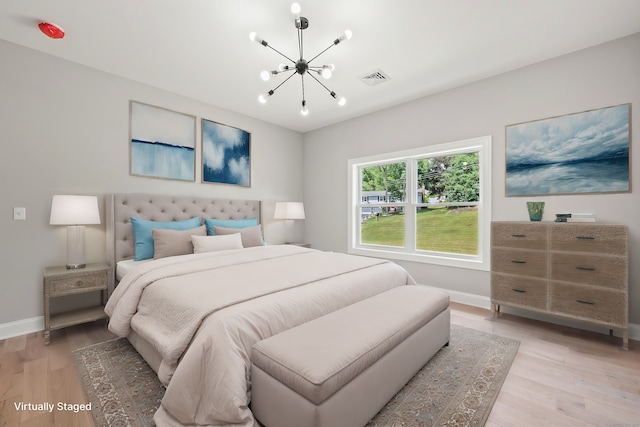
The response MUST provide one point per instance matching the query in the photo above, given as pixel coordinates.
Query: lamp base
(75, 247)
(288, 231)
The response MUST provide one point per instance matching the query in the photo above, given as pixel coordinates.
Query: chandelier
(300, 66)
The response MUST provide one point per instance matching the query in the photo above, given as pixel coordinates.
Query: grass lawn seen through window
(439, 229)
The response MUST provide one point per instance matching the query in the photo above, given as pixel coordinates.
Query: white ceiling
(201, 49)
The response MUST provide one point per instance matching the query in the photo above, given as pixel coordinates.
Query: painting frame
(226, 154)
(588, 152)
(162, 143)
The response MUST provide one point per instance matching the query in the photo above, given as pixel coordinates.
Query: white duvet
(204, 312)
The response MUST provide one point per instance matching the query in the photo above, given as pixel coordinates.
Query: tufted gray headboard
(120, 207)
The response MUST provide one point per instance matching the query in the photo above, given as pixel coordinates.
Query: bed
(195, 317)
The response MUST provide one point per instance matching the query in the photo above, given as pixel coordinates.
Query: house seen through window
(429, 205)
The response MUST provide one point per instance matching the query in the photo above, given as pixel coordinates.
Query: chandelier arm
(280, 53)
(284, 81)
(309, 61)
(300, 43)
(321, 84)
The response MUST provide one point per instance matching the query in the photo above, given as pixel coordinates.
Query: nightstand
(301, 244)
(60, 282)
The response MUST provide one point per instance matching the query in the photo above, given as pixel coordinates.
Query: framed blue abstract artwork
(578, 153)
(162, 143)
(226, 154)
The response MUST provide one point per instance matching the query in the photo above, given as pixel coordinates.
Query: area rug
(457, 387)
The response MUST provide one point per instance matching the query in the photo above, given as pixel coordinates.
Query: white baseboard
(35, 324)
(485, 302)
(21, 327)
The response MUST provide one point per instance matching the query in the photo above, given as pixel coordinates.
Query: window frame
(409, 253)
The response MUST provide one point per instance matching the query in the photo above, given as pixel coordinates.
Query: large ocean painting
(577, 153)
(162, 143)
(226, 154)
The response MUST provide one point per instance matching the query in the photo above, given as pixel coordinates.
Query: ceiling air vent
(375, 77)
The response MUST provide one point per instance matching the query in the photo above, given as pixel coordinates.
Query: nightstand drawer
(78, 282)
(522, 291)
(599, 270)
(603, 305)
(524, 263)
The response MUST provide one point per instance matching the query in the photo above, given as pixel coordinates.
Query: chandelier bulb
(342, 101)
(254, 37)
(344, 36)
(265, 75)
(326, 73)
(304, 111)
(265, 96)
(296, 9)
(282, 67)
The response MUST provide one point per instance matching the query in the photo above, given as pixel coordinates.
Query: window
(428, 205)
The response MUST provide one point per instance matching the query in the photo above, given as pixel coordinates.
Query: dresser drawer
(601, 305)
(598, 270)
(525, 263)
(77, 282)
(516, 235)
(603, 239)
(523, 291)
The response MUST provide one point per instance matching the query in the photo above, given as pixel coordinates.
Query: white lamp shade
(289, 210)
(74, 210)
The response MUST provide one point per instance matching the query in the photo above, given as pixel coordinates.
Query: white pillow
(203, 244)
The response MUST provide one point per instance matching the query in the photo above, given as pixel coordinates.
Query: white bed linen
(219, 305)
(125, 266)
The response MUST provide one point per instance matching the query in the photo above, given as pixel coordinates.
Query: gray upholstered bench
(342, 368)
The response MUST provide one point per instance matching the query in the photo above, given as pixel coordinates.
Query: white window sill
(472, 262)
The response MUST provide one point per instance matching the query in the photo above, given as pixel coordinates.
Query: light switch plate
(20, 214)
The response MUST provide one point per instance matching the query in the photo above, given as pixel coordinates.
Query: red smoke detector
(51, 30)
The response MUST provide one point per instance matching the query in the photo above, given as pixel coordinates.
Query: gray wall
(598, 77)
(64, 130)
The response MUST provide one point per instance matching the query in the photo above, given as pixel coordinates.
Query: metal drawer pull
(585, 268)
(585, 238)
(585, 302)
(520, 291)
(78, 283)
(518, 262)
(518, 235)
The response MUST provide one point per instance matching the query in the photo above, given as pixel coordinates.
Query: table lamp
(74, 212)
(289, 211)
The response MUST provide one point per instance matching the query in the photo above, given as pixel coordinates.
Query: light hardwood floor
(560, 377)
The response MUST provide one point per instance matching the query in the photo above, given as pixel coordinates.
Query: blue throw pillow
(143, 237)
(228, 223)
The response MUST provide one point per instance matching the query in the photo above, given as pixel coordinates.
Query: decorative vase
(535, 210)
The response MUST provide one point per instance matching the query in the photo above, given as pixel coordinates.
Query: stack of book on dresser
(576, 217)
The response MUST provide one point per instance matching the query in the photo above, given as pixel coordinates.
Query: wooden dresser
(575, 271)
